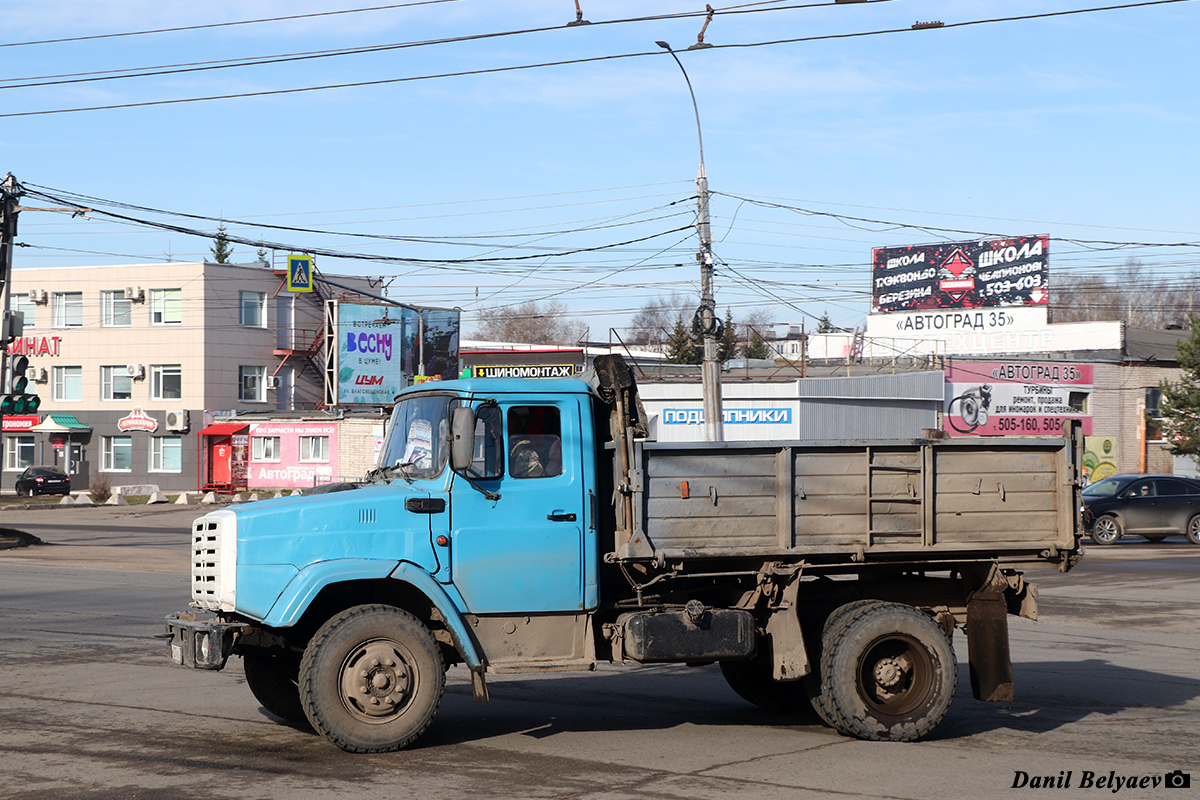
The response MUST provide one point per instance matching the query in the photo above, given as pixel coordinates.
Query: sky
(451, 167)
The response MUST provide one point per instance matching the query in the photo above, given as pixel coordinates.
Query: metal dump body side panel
(977, 484)
(724, 498)
(886, 497)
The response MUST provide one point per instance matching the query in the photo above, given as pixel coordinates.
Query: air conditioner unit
(40, 375)
(37, 296)
(134, 293)
(135, 370)
(177, 421)
(272, 381)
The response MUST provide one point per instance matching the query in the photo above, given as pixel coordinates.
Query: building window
(116, 454)
(67, 309)
(1153, 414)
(22, 303)
(166, 382)
(264, 448)
(252, 309)
(166, 306)
(67, 383)
(18, 452)
(166, 454)
(314, 448)
(251, 387)
(116, 310)
(115, 383)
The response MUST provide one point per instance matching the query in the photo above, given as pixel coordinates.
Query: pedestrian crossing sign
(299, 274)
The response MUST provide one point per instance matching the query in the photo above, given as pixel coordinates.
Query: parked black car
(43, 480)
(1151, 506)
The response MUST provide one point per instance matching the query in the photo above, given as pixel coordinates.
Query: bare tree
(1139, 300)
(654, 323)
(532, 322)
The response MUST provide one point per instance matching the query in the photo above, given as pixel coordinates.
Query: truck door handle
(425, 505)
(561, 517)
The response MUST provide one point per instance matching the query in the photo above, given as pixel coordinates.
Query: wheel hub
(891, 672)
(377, 681)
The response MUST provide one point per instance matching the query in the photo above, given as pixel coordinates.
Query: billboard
(371, 350)
(374, 351)
(1008, 398)
(955, 275)
(438, 354)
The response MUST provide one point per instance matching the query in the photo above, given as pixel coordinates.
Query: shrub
(100, 488)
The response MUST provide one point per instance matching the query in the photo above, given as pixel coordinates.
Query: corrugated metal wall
(870, 406)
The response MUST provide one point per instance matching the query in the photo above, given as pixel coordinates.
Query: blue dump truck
(528, 525)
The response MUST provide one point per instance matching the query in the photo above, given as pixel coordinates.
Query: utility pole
(706, 322)
(10, 190)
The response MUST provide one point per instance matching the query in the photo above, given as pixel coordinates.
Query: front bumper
(202, 644)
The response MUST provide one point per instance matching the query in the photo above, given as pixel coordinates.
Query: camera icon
(1178, 780)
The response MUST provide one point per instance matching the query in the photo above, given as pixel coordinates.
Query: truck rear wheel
(372, 679)
(888, 673)
(752, 682)
(813, 684)
(272, 679)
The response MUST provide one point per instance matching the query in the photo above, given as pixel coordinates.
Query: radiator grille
(206, 563)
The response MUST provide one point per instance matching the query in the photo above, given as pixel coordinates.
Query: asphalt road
(1108, 681)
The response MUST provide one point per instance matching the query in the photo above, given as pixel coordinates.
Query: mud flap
(789, 657)
(479, 689)
(987, 646)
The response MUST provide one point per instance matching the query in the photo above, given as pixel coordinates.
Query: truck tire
(372, 679)
(1106, 530)
(888, 673)
(752, 682)
(812, 682)
(272, 679)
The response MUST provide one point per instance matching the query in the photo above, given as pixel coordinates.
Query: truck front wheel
(372, 679)
(272, 679)
(888, 673)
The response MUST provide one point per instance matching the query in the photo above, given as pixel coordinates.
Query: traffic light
(17, 401)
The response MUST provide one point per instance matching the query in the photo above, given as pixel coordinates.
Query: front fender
(426, 583)
(308, 583)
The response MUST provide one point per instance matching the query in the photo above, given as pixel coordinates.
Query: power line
(224, 24)
(68, 198)
(933, 230)
(173, 69)
(576, 61)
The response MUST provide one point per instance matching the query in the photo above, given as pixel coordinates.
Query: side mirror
(462, 438)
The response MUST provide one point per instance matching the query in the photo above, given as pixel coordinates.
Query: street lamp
(710, 371)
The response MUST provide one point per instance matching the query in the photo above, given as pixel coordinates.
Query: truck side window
(534, 442)
(488, 460)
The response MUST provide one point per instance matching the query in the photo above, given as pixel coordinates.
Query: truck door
(523, 553)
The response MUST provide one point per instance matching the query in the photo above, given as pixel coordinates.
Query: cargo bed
(1014, 500)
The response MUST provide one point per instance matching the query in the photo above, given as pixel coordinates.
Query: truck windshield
(419, 443)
